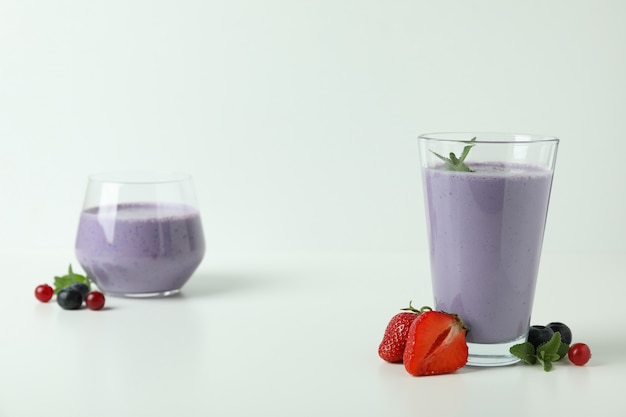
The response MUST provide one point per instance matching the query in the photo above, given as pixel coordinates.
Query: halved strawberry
(435, 344)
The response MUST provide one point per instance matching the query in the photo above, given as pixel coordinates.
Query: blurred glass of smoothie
(140, 235)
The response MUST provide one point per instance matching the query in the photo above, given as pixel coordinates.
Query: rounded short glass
(140, 233)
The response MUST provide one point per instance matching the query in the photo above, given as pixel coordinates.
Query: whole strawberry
(435, 344)
(391, 349)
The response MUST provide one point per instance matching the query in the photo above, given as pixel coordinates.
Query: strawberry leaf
(467, 149)
(448, 163)
(454, 163)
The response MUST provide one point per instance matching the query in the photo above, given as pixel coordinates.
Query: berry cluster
(551, 343)
(578, 353)
(72, 297)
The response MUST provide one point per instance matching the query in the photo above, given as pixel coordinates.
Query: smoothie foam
(486, 231)
(140, 248)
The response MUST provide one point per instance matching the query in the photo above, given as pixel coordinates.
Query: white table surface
(292, 334)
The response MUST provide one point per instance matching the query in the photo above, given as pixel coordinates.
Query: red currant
(579, 354)
(44, 293)
(94, 300)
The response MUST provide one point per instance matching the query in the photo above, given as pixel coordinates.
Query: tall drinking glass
(486, 199)
(140, 233)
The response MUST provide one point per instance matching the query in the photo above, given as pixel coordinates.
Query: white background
(298, 121)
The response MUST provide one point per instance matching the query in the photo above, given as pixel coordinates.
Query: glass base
(493, 354)
(158, 294)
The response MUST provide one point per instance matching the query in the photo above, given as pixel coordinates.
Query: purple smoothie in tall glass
(486, 231)
(140, 248)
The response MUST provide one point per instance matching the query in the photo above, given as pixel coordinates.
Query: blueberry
(566, 333)
(69, 299)
(539, 334)
(80, 287)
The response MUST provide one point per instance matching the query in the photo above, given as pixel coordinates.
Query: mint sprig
(457, 164)
(551, 351)
(69, 279)
(525, 351)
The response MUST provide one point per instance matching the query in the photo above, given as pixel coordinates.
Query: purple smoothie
(140, 248)
(486, 231)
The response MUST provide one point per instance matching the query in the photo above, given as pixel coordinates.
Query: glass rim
(489, 137)
(139, 177)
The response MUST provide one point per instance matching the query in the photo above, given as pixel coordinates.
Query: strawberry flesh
(435, 344)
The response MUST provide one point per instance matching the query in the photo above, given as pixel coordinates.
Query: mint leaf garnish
(547, 365)
(69, 279)
(457, 164)
(546, 358)
(562, 352)
(546, 353)
(525, 351)
(551, 347)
